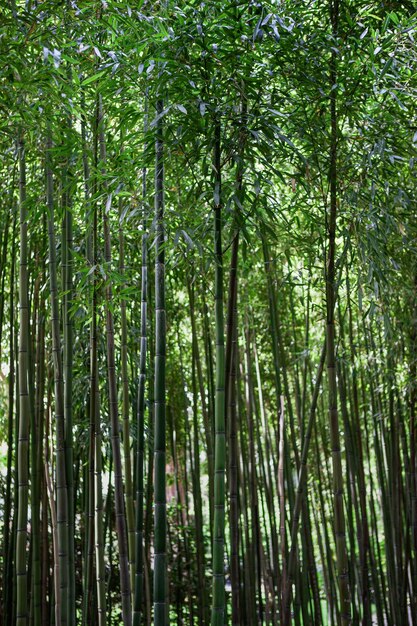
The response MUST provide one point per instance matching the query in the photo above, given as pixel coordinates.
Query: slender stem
(113, 408)
(331, 292)
(161, 617)
(218, 602)
(24, 404)
(61, 594)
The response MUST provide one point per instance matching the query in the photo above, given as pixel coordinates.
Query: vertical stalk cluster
(172, 451)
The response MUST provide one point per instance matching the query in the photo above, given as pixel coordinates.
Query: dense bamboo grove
(208, 313)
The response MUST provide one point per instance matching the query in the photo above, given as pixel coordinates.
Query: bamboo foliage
(175, 449)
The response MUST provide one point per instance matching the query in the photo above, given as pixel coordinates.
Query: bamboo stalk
(331, 291)
(24, 402)
(161, 617)
(113, 408)
(8, 542)
(218, 610)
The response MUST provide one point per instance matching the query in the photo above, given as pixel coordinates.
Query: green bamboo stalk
(352, 501)
(88, 608)
(161, 615)
(253, 540)
(281, 499)
(139, 588)
(192, 575)
(150, 449)
(189, 445)
(88, 544)
(218, 611)
(205, 411)
(95, 417)
(210, 429)
(108, 538)
(33, 562)
(4, 239)
(56, 598)
(331, 294)
(127, 462)
(311, 567)
(36, 451)
(68, 349)
(24, 408)
(233, 437)
(322, 531)
(7, 539)
(268, 484)
(184, 563)
(61, 594)
(140, 452)
(198, 505)
(45, 565)
(247, 544)
(98, 487)
(413, 438)
(16, 480)
(113, 407)
(363, 529)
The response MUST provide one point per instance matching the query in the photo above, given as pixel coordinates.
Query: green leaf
(92, 79)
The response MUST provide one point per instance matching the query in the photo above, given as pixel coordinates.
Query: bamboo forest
(208, 313)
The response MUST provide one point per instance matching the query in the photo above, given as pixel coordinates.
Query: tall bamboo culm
(24, 404)
(218, 601)
(140, 452)
(95, 416)
(8, 545)
(331, 293)
(160, 581)
(121, 526)
(61, 593)
(67, 264)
